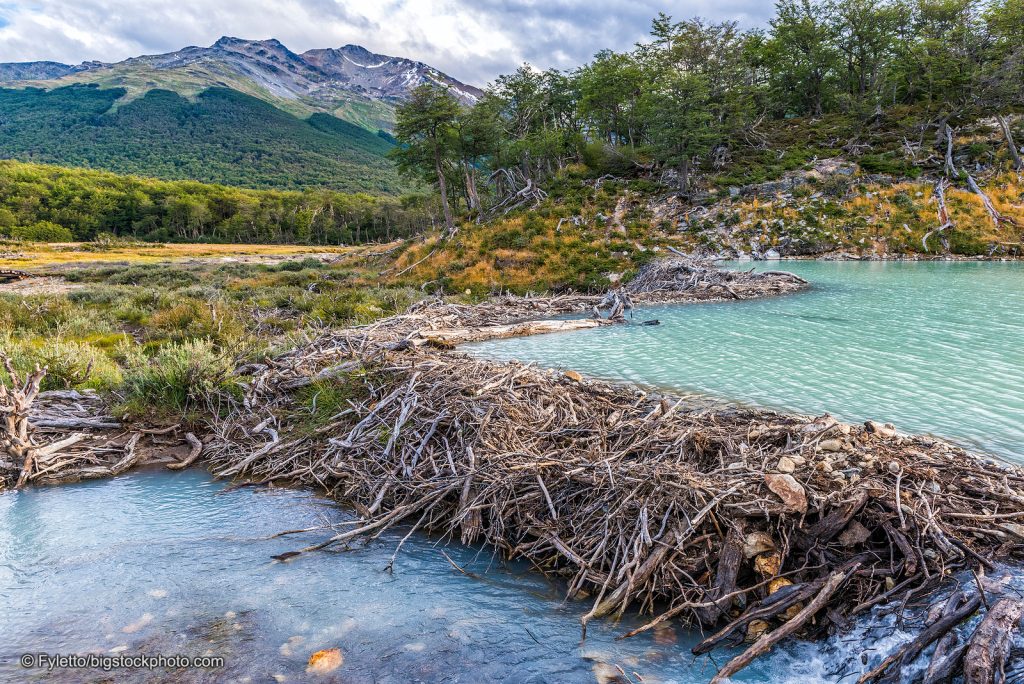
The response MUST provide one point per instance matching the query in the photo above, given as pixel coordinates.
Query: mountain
(349, 82)
(240, 112)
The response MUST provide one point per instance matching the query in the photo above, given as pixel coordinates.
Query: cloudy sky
(473, 40)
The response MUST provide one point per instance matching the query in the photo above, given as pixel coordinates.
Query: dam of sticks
(754, 525)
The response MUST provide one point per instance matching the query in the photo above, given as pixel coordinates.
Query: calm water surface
(932, 347)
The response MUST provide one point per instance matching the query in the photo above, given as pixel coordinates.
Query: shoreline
(740, 472)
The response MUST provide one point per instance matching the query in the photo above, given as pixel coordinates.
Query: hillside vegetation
(877, 128)
(220, 136)
(39, 202)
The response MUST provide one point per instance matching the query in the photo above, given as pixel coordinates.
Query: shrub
(70, 365)
(43, 231)
(192, 319)
(178, 379)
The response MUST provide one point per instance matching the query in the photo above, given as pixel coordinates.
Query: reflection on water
(932, 347)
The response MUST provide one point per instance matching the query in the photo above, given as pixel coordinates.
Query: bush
(192, 318)
(43, 231)
(178, 379)
(70, 365)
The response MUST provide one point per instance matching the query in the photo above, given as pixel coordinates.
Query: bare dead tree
(1014, 151)
(15, 401)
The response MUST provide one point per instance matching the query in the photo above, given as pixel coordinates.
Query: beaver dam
(753, 525)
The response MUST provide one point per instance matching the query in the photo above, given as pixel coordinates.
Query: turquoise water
(162, 563)
(931, 347)
(169, 563)
(157, 562)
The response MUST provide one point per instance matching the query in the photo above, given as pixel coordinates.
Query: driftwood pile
(660, 281)
(755, 525)
(63, 436)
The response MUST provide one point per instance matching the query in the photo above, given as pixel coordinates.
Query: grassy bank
(119, 317)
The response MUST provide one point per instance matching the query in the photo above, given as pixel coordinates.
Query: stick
(769, 640)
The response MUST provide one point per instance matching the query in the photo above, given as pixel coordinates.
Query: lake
(933, 347)
(157, 562)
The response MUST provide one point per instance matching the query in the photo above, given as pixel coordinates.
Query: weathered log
(16, 438)
(945, 222)
(993, 213)
(9, 275)
(775, 604)
(906, 654)
(455, 336)
(70, 423)
(948, 651)
(989, 646)
(1014, 151)
(197, 448)
(768, 641)
(729, 561)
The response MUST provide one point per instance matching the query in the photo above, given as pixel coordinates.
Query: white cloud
(473, 40)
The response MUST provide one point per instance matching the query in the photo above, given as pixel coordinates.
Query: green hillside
(220, 136)
(53, 203)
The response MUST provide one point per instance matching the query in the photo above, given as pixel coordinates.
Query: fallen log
(1010, 144)
(197, 449)
(894, 663)
(8, 275)
(989, 646)
(768, 641)
(455, 336)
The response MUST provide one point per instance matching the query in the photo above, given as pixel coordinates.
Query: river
(156, 562)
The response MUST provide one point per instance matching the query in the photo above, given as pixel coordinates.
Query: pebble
(786, 465)
(324, 661)
(830, 445)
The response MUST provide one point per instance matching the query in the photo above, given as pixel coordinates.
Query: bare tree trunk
(442, 184)
(471, 192)
(15, 441)
(684, 176)
(1014, 152)
(950, 166)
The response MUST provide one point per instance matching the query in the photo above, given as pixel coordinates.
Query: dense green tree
(682, 126)
(425, 127)
(803, 56)
(88, 203)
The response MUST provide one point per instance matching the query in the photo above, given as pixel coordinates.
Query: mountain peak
(363, 84)
(233, 42)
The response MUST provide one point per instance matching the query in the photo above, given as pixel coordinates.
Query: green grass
(162, 335)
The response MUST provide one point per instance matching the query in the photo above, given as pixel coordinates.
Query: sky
(472, 40)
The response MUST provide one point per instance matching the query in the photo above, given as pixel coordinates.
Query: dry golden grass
(32, 256)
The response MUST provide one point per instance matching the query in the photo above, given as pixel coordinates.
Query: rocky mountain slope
(349, 82)
(250, 113)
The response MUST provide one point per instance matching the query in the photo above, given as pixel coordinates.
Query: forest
(220, 136)
(700, 104)
(56, 204)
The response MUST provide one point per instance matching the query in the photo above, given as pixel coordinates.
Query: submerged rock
(325, 661)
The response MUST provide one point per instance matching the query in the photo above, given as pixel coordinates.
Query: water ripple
(932, 347)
